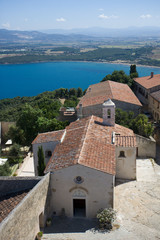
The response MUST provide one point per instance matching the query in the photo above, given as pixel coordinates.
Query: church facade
(86, 158)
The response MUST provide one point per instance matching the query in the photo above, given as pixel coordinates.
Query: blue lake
(32, 79)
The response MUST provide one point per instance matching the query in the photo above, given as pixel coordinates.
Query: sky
(68, 14)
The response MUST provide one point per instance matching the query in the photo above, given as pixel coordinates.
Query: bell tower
(108, 113)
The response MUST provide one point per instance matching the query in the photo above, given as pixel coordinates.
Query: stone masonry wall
(23, 222)
(146, 147)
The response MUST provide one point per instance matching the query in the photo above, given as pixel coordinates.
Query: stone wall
(146, 147)
(47, 146)
(154, 108)
(96, 110)
(23, 222)
(126, 165)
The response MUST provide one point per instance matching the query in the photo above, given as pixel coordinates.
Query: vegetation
(106, 217)
(119, 76)
(39, 53)
(138, 124)
(41, 163)
(5, 169)
(48, 103)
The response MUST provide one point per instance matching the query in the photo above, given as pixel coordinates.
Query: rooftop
(9, 202)
(156, 95)
(89, 143)
(149, 82)
(12, 192)
(49, 137)
(100, 92)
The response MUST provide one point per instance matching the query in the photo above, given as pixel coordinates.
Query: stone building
(145, 86)
(154, 105)
(119, 93)
(89, 154)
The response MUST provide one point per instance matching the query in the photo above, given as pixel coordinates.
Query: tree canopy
(119, 76)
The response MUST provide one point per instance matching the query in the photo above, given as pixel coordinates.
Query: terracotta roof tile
(148, 82)
(9, 202)
(100, 92)
(88, 142)
(156, 95)
(49, 137)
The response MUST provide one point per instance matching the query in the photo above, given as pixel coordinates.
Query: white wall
(126, 166)
(50, 146)
(97, 189)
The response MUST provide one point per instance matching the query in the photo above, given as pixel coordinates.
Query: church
(83, 161)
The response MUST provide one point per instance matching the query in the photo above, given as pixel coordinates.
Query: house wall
(154, 108)
(96, 110)
(126, 166)
(47, 146)
(23, 222)
(97, 188)
(146, 147)
(141, 93)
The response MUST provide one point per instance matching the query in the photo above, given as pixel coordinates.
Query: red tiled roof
(148, 82)
(88, 142)
(100, 92)
(9, 202)
(125, 141)
(156, 95)
(49, 137)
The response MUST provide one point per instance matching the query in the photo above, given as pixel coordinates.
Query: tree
(141, 126)
(119, 76)
(41, 163)
(17, 135)
(5, 170)
(28, 123)
(79, 92)
(133, 71)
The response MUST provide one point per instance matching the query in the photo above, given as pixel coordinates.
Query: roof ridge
(110, 87)
(88, 126)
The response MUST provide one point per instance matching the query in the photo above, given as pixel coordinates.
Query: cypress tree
(41, 163)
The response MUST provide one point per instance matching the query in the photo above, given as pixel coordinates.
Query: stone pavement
(138, 211)
(27, 168)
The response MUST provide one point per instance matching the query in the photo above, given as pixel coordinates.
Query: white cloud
(26, 19)
(145, 16)
(102, 16)
(101, 9)
(6, 25)
(61, 19)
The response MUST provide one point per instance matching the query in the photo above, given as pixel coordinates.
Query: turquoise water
(32, 79)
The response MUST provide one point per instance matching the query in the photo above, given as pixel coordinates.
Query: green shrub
(106, 217)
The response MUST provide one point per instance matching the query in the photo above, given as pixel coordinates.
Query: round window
(78, 179)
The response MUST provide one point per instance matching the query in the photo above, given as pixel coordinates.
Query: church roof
(89, 143)
(49, 137)
(148, 81)
(100, 92)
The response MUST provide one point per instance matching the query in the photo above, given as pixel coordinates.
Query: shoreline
(119, 62)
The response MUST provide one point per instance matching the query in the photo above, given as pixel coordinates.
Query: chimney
(152, 73)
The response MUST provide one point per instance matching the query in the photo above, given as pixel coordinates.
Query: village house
(88, 155)
(119, 93)
(154, 105)
(146, 86)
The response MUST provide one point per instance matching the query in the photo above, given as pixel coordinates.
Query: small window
(109, 113)
(48, 153)
(122, 154)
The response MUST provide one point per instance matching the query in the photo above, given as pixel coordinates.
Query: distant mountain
(76, 35)
(36, 36)
(110, 32)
